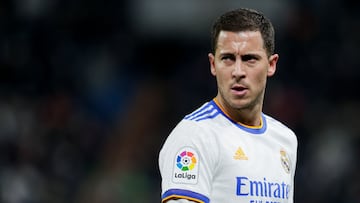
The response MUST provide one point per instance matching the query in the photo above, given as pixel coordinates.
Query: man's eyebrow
(246, 55)
(227, 54)
(251, 55)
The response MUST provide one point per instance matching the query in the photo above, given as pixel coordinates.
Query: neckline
(251, 129)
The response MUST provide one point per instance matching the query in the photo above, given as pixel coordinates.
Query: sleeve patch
(186, 166)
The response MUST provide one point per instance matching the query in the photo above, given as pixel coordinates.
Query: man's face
(241, 67)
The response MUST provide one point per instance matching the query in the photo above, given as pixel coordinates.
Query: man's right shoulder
(207, 111)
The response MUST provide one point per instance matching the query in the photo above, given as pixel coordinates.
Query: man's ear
(212, 63)
(272, 64)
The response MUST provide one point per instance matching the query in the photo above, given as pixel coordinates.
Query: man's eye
(249, 58)
(228, 57)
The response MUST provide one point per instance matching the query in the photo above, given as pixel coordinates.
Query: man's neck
(246, 116)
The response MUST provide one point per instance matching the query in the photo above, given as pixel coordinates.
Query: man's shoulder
(277, 124)
(207, 111)
(278, 128)
(200, 122)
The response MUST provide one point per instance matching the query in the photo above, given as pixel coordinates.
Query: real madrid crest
(285, 161)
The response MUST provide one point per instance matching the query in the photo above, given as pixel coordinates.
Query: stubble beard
(240, 104)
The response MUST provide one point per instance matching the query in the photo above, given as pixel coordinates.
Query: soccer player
(228, 150)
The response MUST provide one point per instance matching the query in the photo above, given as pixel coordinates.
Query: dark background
(90, 89)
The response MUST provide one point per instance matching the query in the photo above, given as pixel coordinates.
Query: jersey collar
(251, 129)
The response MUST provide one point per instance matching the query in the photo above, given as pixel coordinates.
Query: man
(228, 150)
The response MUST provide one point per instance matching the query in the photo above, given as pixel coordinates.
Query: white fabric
(179, 201)
(210, 158)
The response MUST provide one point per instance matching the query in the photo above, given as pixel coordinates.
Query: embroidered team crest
(186, 166)
(285, 161)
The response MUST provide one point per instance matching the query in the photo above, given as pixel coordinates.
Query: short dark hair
(244, 19)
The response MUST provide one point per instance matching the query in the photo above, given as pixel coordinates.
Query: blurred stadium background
(90, 89)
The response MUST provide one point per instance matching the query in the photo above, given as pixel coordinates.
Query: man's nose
(239, 69)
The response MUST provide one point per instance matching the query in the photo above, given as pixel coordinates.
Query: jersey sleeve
(187, 163)
(294, 163)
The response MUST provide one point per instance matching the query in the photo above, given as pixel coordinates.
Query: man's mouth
(238, 87)
(239, 90)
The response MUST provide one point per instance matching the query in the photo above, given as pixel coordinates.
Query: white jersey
(208, 157)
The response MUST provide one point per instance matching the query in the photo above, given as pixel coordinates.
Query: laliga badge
(186, 166)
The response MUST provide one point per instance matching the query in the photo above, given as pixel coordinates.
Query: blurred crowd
(86, 100)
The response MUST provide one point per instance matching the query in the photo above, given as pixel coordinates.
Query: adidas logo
(240, 155)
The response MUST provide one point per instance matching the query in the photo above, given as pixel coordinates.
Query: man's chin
(238, 105)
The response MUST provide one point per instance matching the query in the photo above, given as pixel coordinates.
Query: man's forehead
(236, 41)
